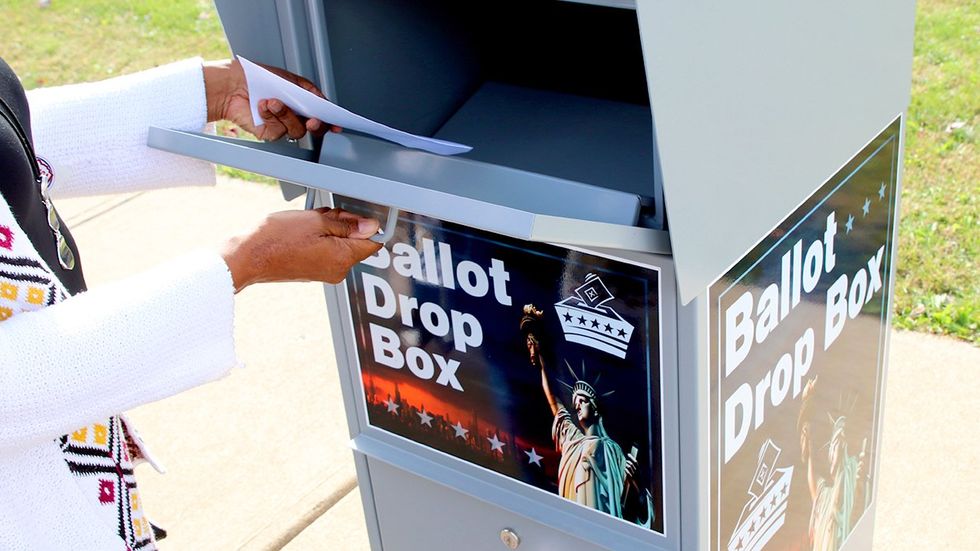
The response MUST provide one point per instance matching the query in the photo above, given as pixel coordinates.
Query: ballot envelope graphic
(586, 320)
(765, 512)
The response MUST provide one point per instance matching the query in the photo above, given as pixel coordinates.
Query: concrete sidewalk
(260, 459)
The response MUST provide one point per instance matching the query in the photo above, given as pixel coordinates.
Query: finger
(367, 228)
(294, 126)
(350, 251)
(309, 86)
(331, 227)
(272, 128)
(362, 248)
(351, 226)
(319, 128)
(294, 78)
(362, 227)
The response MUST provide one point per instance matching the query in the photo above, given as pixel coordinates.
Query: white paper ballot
(263, 84)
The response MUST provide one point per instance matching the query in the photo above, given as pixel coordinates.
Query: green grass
(937, 288)
(81, 40)
(938, 283)
(78, 40)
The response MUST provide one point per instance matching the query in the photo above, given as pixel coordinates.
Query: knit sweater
(70, 364)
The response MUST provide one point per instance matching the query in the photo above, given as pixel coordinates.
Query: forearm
(811, 480)
(108, 350)
(546, 386)
(94, 134)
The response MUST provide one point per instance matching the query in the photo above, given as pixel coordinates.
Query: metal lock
(510, 539)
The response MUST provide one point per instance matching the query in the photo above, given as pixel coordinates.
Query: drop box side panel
(797, 341)
(756, 104)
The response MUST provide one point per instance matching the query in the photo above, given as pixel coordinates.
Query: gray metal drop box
(649, 309)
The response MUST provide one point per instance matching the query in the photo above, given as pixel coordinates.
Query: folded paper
(263, 84)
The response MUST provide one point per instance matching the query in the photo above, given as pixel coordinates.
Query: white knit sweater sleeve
(94, 134)
(108, 350)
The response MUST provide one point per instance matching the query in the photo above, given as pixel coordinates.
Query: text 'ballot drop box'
(649, 308)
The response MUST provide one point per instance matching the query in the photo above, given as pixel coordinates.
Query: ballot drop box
(649, 309)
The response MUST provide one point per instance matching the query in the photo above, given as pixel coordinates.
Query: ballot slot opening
(550, 87)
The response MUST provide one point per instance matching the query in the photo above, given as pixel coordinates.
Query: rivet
(510, 539)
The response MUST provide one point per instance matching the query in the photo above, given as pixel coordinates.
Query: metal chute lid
(756, 104)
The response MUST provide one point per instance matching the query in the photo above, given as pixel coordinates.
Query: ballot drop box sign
(536, 362)
(797, 333)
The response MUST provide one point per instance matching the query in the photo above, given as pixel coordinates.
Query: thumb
(355, 232)
(365, 228)
(359, 227)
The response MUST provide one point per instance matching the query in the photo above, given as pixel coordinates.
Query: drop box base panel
(415, 514)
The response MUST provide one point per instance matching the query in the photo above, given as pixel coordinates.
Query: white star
(850, 223)
(496, 445)
(867, 206)
(533, 457)
(881, 191)
(460, 431)
(425, 418)
(392, 406)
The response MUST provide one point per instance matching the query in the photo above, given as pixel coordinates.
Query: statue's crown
(582, 387)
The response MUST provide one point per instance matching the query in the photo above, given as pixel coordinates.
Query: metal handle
(389, 230)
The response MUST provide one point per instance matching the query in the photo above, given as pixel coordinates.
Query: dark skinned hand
(227, 99)
(301, 245)
(313, 245)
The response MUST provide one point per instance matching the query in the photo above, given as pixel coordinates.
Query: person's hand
(859, 472)
(302, 245)
(227, 98)
(630, 468)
